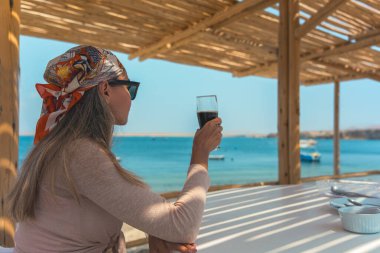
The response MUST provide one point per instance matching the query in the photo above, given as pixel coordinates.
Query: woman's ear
(105, 91)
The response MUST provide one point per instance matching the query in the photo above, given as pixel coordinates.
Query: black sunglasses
(132, 86)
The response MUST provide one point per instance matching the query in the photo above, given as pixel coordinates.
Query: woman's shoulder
(85, 157)
(87, 149)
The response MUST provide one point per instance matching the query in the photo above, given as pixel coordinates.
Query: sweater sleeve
(97, 179)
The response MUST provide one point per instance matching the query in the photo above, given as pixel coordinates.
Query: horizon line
(228, 134)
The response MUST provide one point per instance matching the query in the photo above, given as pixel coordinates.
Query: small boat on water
(216, 157)
(308, 151)
(310, 156)
(307, 143)
(118, 158)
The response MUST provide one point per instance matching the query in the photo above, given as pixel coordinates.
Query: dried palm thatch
(338, 37)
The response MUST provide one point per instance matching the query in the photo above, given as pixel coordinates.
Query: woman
(72, 195)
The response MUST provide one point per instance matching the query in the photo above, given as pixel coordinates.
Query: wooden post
(336, 128)
(9, 108)
(288, 94)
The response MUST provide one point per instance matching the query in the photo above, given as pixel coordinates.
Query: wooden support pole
(288, 94)
(283, 93)
(336, 128)
(294, 95)
(9, 107)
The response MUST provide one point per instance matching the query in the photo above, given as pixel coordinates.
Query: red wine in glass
(203, 117)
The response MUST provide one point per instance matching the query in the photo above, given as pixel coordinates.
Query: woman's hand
(209, 136)
(157, 245)
(206, 140)
(122, 246)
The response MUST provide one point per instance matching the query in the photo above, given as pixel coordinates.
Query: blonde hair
(90, 118)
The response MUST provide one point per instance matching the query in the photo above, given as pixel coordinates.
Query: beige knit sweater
(108, 200)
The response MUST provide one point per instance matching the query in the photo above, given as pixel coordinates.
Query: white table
(6, 250)
(294, 218)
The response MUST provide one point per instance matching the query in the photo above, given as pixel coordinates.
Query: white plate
(339, 202)
(342, 202)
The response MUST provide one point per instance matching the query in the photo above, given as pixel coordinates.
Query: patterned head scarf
(69, 76)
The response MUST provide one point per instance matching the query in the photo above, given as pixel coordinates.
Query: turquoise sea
(163, 161)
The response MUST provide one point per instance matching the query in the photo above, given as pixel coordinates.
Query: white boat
(307, 143)
(216, 157)
(118, 158)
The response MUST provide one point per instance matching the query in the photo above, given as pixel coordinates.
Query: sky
(166, 102)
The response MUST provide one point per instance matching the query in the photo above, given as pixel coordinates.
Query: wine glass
(207, 109)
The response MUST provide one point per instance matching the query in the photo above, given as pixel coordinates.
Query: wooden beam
(221, 18)
(344, 48)
(336, 128)
(338, 66)
(368, 41)
(251, 43)
(256, 69)
(366, 34)
(319, 17)
(288, 94)
(9, 106)
(345, 175)
(329, 80)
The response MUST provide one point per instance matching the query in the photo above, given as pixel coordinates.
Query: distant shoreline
(351, 134)
(359, 134)
(176, 135)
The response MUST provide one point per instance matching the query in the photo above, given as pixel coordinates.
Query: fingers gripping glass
(132, 86)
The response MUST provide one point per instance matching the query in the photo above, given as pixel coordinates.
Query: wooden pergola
(304, 42)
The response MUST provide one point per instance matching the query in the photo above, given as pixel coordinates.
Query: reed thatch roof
(338, 37)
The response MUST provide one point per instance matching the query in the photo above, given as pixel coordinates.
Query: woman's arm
(97, 179)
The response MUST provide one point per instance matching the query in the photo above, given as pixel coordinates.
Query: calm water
(163, 162)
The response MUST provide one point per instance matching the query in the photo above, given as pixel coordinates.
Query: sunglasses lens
(132, 90)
